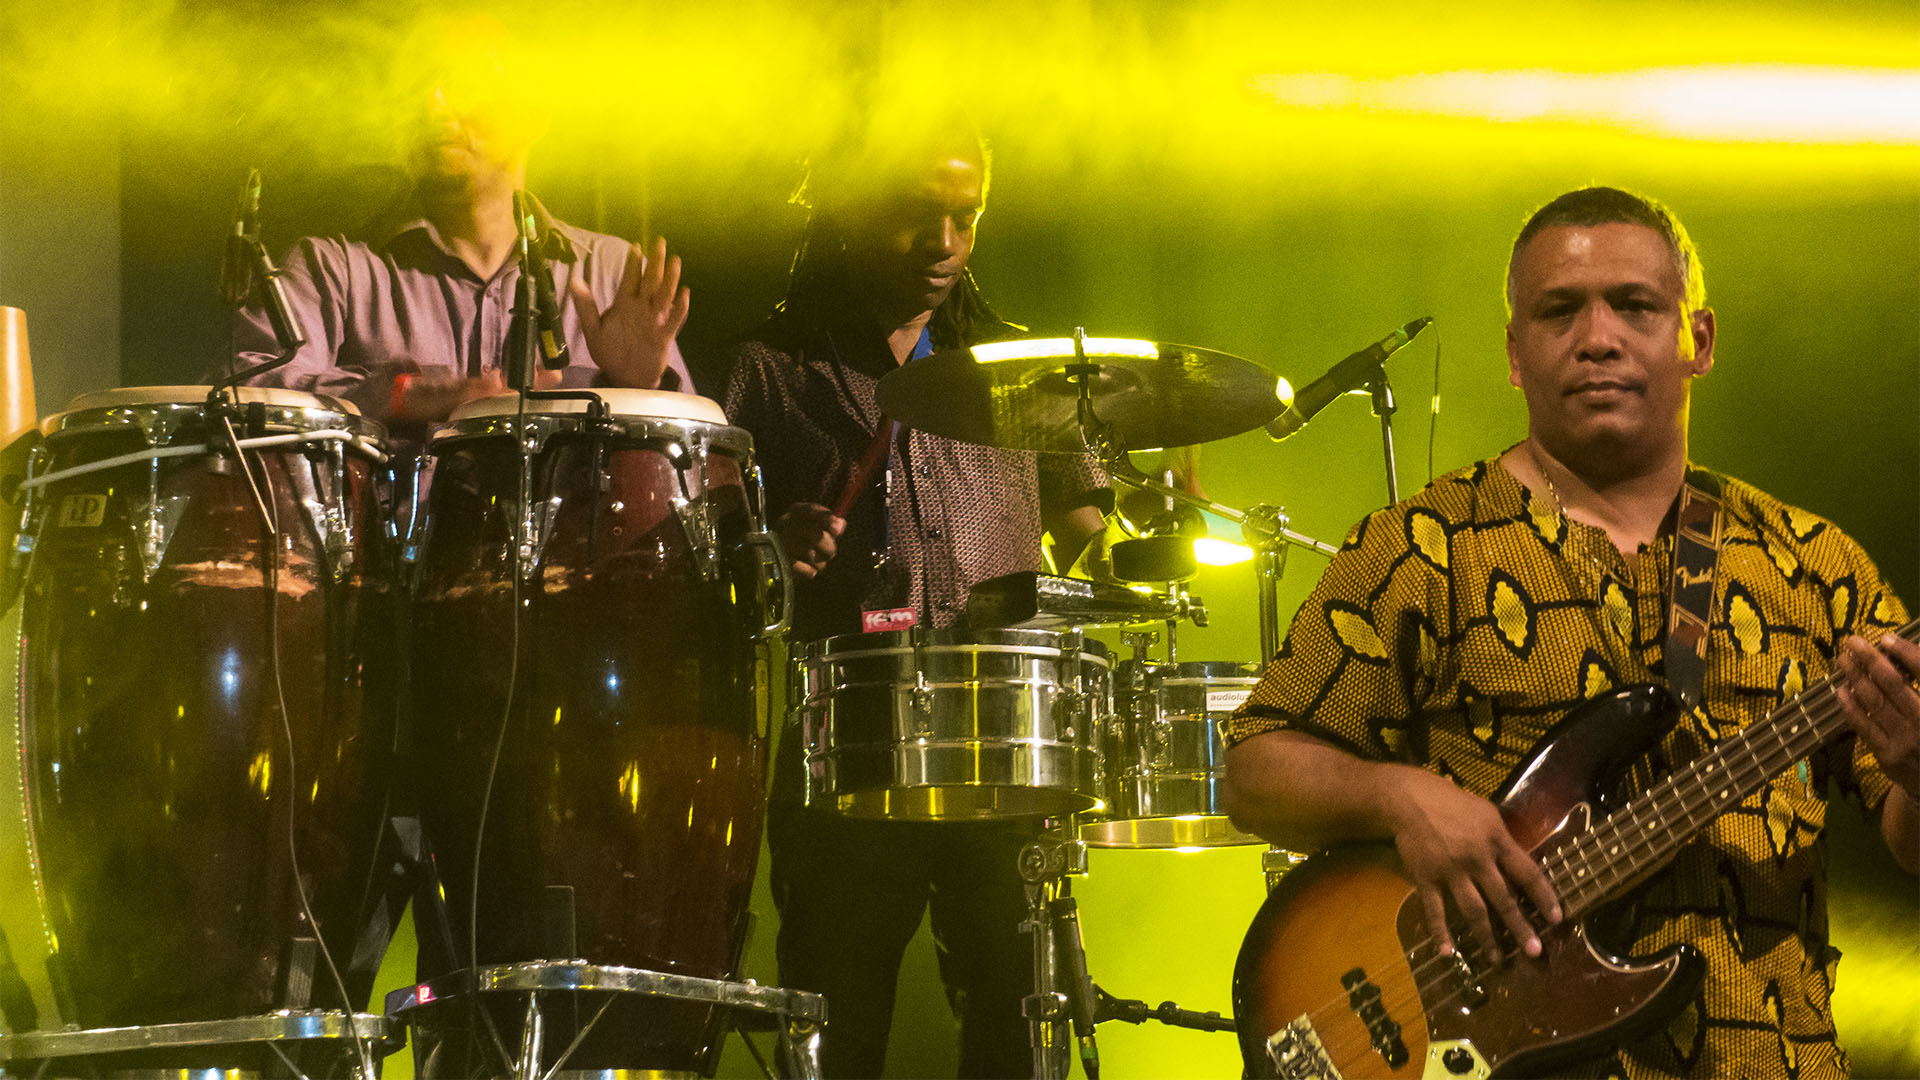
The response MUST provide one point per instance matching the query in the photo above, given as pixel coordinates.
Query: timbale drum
(953, 725)
(205, 715)
(1165, 756)
(590, 702)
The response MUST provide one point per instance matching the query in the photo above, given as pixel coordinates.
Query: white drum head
(654, 404)
(127, 396)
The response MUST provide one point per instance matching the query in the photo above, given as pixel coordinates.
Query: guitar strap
(1696, 551)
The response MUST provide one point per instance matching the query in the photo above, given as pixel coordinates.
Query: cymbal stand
(1062, 991)
(1064, 994)
(1263, 527)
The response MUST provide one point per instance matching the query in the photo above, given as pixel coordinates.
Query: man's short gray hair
(1590, 206)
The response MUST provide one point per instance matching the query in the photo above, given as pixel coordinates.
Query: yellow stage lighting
(1037, 348)
(1735, 102)
(1210, 552)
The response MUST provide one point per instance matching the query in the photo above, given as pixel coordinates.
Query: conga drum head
(620, 401)
(125, 396)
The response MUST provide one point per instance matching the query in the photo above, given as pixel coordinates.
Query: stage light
(1211, 552)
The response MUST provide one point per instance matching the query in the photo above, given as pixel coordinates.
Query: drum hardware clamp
(1045, 864)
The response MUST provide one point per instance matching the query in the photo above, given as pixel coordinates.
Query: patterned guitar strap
(1696, 550)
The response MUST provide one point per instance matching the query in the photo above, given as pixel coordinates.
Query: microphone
(1350, 374)
(236, 263)
(546, 305)
(247, 264)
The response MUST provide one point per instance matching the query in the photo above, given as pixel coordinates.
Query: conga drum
(205, 712)
(590, 700)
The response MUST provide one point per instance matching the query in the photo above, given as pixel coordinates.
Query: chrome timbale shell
(953, 725)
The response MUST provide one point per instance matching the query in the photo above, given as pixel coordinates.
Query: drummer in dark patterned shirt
(882, 278)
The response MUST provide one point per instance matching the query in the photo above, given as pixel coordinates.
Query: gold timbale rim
(1161, 833)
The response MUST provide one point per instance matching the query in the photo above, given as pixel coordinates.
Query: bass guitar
(1339, 978)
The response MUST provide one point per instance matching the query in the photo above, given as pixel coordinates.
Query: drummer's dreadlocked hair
(855, 166)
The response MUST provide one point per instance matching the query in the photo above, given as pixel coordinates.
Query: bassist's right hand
(1457, 852)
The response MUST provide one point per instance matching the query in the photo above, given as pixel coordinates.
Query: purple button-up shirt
(372, 312)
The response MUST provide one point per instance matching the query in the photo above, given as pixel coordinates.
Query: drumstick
(870, 462)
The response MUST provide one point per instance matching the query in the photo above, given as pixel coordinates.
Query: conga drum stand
(306, 1042)
(796, 1016)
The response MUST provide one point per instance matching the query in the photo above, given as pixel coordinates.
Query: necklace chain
(1552, 493)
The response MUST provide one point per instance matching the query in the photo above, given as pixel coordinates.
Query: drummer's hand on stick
(807, 532)
(632, 339)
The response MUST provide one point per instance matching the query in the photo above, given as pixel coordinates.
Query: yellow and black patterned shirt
(1454, 629)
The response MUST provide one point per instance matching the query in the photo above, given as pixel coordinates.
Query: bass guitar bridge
(1298, 1054)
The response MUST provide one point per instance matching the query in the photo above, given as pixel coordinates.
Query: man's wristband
(396, 399)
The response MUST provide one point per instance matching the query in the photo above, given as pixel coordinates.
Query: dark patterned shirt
(1455, 628)
(958, 513)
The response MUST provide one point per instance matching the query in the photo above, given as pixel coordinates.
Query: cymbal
(1025, 395)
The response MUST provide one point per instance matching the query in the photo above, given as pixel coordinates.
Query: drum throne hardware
(594, 803)
(205, 721)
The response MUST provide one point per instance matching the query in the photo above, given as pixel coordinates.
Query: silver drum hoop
(1165, 756)
(948, 725)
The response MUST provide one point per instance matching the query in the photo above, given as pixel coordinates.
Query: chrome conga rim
(641, 415)
(161, 411)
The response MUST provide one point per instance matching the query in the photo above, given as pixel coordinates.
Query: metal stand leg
(1384, 408)
(800, 1049)
(1046, 1007)
(531, 1036)
(1044, 866)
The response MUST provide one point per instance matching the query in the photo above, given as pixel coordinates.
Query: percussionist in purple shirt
(416, 323)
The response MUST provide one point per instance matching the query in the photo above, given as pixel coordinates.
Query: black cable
(266, 506)
(506, 715)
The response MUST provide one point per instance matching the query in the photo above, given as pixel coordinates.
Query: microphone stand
(264, 276)
(1135, 1011)
(525, 357)
(1384, 407)
(288, 334)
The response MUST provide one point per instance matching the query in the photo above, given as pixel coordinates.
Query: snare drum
(162, 780)
(613, 735)
(1166, 756)
(953, 725)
